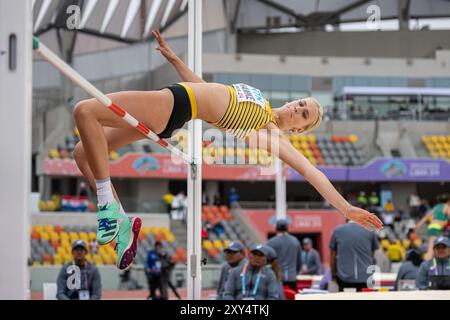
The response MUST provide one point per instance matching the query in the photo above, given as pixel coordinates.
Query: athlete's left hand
(366, 219)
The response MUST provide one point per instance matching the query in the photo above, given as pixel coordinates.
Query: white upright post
(194, 183)
(15, 144)
(280, 190)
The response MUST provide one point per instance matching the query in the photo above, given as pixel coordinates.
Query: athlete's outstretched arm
(315, 177)
(183, 71)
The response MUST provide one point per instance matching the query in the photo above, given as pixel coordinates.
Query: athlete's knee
(82, 111)
(78, 153)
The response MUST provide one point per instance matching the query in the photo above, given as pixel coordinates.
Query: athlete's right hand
(164, 48)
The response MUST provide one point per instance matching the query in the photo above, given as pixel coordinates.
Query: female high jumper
(237, 109)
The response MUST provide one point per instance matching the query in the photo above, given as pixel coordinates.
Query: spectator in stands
(252, 280)
(205, 199)
(217, 200)
(362, 199)
(179, 206)
(409, 269)
(168, 199)
(274, 265)
(233, 196)
(157, 271)
(82, 191)
(310, 259)
(352, 252)
(412, 236)
(389, 206)
(423, 208)
(414, 205)
(435, 273)
(234, 256)
(374, 200)
(79, 279)
(289, 253)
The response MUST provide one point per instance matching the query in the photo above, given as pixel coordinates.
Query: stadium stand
(51, 245)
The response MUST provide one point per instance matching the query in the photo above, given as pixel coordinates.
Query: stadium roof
(252, 14)
(124, 20)
(132, 20)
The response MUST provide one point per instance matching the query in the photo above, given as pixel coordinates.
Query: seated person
(435, 273)
(79, 279)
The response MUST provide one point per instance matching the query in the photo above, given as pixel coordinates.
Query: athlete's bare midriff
(212, 100)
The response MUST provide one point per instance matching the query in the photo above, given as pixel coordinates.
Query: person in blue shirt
(435, 273)
(157, 268)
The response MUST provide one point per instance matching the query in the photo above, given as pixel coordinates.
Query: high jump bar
(73, 75)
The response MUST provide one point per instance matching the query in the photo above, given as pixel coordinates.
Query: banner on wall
(147, 165)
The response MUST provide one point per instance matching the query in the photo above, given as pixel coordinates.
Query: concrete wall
(404, 44)
(316, 66)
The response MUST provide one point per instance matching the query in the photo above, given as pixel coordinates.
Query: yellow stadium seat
(57, 260)
(73, 236)
(207, 244)
(38, 228)
(442, 139)
(312, 138)
(425, 139)
(434, 139)
(48, 228)
(226, 243)
(44, 236)
(54, 154)
(431, 146)
(302, 139)
(294, 138)
(353, 138)
(218, 244)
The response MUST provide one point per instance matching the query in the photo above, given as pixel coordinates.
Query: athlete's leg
(152, 108)
(115, 138)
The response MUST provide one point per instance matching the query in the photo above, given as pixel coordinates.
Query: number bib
(246, 93)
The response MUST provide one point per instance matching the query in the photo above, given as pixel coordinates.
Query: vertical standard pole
(15, 143)
(280, 190)
(194, 183)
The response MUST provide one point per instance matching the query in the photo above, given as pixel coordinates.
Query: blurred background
(381, 69)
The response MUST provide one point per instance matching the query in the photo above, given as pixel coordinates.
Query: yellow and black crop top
(248, 110)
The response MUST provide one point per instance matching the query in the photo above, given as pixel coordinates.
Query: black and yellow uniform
(184, 109)
(247, 110)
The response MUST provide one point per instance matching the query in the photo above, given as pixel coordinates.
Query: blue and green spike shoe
(109, 219)
(126, 243)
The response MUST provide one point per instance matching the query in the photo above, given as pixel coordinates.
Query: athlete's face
(298, 114)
